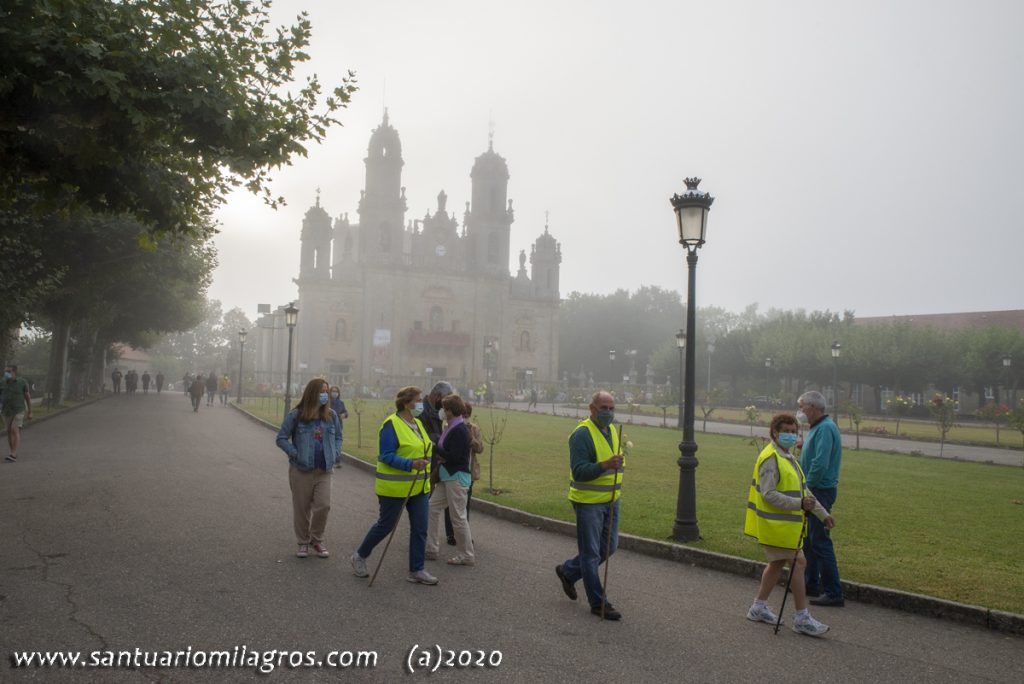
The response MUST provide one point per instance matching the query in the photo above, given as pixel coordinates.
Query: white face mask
(442, 416)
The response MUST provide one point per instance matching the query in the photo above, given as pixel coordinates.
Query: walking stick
(792, 569)
(608, 540)
(398, 519)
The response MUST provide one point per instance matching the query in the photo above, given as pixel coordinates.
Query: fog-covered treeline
(895, 356)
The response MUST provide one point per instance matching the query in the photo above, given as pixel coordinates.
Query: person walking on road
(451, 491)
(211, 387)
(146, 379)
(196, 391)
(820, 459)
(403, 478)
(311, 437)
(115, 380)
(776, 504)
(339, 407)
(225, 389)
(595, 485)
(17, 408)
(159, 382)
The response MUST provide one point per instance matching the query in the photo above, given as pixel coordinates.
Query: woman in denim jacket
(311, 436)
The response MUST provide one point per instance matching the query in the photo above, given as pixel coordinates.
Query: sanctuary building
(387, 301)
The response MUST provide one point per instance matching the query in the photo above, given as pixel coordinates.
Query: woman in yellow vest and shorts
(776, 506)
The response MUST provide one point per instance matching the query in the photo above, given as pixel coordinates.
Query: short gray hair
(814, 398)
(442, 389)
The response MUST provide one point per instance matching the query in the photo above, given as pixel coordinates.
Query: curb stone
(61, 412)
(908, 602)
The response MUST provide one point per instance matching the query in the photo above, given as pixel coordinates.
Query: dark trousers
(390, 509)
(822, 570)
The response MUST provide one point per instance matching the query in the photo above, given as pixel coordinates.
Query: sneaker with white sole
(809, 626)
(421, 577)
(762, 613)
(321, 550)
(358, 565)
(303, 551)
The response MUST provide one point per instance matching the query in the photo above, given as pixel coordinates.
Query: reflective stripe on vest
(597, 490)
(770, 525)
(393, 481)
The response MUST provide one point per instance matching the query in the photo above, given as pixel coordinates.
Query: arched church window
(524, 341)
(436, 318)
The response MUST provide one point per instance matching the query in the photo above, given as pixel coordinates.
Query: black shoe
(451, 541)
(811, 593)
(567, 586)
(609, 612)
(826, 600)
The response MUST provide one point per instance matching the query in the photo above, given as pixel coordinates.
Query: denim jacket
(299, 446)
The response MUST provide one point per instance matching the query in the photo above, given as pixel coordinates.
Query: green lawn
(949, 529)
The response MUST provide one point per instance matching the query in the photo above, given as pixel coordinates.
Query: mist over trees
(123, 126)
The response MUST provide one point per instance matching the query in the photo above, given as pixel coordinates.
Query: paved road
(136, 523)
(1010, 457)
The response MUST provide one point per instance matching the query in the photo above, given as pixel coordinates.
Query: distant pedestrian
(196, 390)
(159, 382)
(595, 485)
(533, 399)
(776, 506)
(311, 437)
(186, 383)
(131, 380)
(211, 388)
(115, 381)
(403, 477)
(146, 379)
(820, 459)
(434, 423)
(17, 408)
(339, 407)
(225, 389)
(451, 492)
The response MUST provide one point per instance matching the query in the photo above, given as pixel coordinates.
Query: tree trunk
(55, 385)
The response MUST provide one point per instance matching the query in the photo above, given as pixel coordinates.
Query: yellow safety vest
(770, 525)
(395, 482)
(598, 490)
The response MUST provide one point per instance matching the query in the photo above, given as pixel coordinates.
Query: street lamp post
(767, 378)
(241, 355)
(611, 371)
(835, 375)
(291, 317)
(681, 343)
(691, 209)
(711, 350)
(1007, 362)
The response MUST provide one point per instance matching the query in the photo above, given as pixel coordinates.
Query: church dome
(546, 242)
(384, 142)
(490, 163)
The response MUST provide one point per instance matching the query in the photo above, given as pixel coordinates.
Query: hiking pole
(792, 568)
(395, 527)
(608, 540)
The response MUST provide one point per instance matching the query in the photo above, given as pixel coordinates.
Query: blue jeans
(592, 521)
(390, 509)
(822, 571)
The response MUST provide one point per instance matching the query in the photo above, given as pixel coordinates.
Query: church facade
(387, 301)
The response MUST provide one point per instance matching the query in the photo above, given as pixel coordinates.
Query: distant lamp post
(711, 350)
(691, 209)
(291, 317)
(835, 375)
(1007, 362)
(681, 343)
(631, 353)
(611, 371)
(767, 378)
(241, 355)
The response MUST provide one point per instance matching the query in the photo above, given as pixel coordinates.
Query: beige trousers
(311, 502)
(453, 496)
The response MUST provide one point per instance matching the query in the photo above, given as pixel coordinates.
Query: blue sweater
(821, 455)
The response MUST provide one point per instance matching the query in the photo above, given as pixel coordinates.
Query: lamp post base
(685, 528)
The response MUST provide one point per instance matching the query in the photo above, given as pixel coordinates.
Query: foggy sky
(862, 155)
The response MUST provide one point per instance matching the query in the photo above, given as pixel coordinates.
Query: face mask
(604, 419)
(442, 416)
(335, 395)
(801, 417)
(323, 398)
(787, 440)
(7, 375)
(417, 409)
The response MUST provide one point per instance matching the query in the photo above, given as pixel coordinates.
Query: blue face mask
(7, 375)
(787, 440)
(323, 398)
(604, 419)
(417, 409)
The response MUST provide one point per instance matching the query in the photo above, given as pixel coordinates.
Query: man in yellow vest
(595, 483)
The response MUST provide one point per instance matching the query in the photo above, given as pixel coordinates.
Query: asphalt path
(963, 452)
(134, 523)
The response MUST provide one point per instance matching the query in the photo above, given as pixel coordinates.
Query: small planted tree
(995, 413)
(359, 405)
(753, 415)
(711, 401)
(856, 415)
(899, 406)
(1016, 420)
(943, 410)
(492, 439)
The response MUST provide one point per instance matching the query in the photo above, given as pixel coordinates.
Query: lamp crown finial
(692, 183)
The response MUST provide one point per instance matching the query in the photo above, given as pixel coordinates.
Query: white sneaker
(421, 577)
(762, 613)
(358, 565)
(809, 626)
